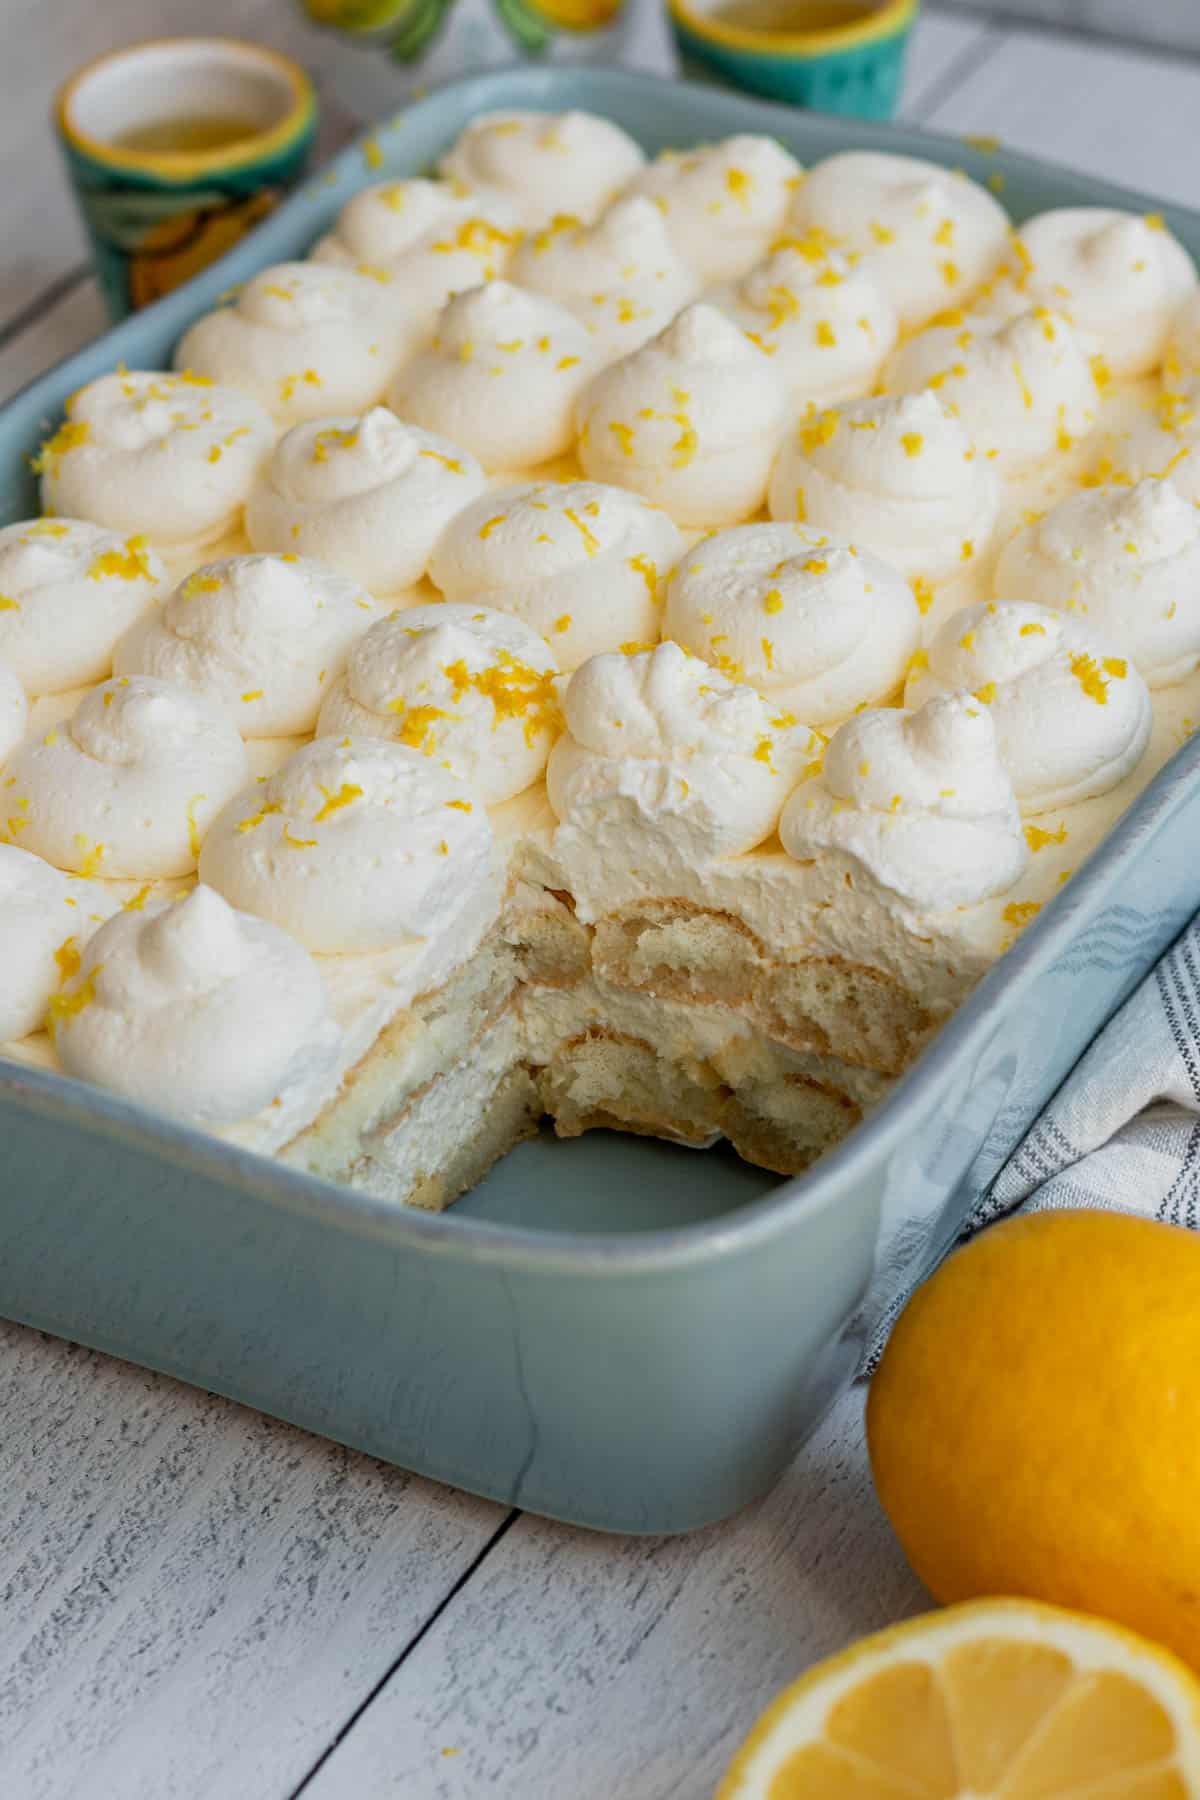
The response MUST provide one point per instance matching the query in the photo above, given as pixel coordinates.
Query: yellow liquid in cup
(187, 135)
(792, 16)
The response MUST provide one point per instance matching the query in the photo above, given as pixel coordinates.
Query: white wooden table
(196, 1601)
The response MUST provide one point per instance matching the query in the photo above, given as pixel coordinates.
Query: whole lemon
(1034, 1425)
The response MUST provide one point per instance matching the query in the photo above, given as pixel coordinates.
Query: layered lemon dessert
(617, 641)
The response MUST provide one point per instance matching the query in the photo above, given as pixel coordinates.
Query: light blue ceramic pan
(612, 1331)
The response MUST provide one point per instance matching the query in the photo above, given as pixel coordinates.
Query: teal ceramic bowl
(176, 149)
(855, 68)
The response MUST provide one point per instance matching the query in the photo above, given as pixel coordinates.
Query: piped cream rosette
(128, 786)
(501, 377)
(305, 340)
(663, 745)
(1020, 391)
(918, 803)
(431, 241)
(351, 846)
(194, 1009)
(1071, 718)
(1125, 561)
(819, 627)
(367, 496)
(827, 328)
(581, 564)
(723, 203)
(472, 688)
(621, 277)
(168, 457)
(68, 591)
(258, 636)
(46, 918)
(538, 164)
(1119, 278)
(926, 236)
(690, 421)
(894, 476)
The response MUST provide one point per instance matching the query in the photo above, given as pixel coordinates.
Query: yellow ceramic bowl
(833, 56)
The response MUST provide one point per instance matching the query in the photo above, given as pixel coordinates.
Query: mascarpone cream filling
(14, 712)
(367, 496)
(580, 563)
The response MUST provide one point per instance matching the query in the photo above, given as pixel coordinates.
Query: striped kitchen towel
(1122, 1132)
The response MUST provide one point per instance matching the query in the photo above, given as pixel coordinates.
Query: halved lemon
(999, 1698)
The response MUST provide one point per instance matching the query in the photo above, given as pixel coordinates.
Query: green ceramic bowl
(856, 67)
(157, 216)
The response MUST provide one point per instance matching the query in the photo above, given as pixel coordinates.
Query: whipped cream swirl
(660, 742)
(818, 627)
(621, 277)
(14, 712)
(1072, 719)
(723, 203)
(351, 846)
(1021, 390)
(917, 801)
(128, 786)
(501, 377)
(368, 496)
(194, 1009)
(168, 457)
(1119, 278)
(539, 164)
(827, 328)
(895, 476)
(924, 235)
(68, 591)
(690, 421)
(470, 687)
(306, 340)
(260, 636)
(1161, 443)
(1125, 560)
(46, 918)
(432, 241)
(581, 563)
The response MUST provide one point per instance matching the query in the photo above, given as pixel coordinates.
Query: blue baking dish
(611, 1331)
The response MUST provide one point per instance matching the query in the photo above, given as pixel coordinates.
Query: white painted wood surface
(196, 1601)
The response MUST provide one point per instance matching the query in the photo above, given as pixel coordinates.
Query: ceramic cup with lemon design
(175, 150)
(835, 56)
